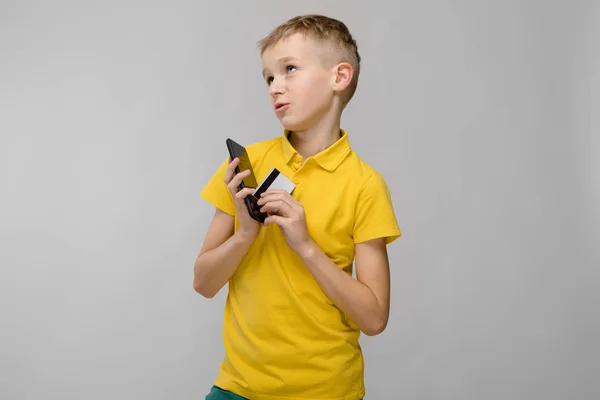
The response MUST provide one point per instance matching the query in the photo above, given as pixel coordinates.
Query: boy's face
(300, 87)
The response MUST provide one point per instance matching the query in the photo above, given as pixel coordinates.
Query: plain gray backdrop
(482, 116)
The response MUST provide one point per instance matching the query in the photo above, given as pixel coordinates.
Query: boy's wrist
(244, 238)
(308, 250)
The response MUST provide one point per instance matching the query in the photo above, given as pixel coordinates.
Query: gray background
(482, 116)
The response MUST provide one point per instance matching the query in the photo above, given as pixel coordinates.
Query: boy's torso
(282, 334)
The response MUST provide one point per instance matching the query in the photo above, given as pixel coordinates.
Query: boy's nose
(276, 87)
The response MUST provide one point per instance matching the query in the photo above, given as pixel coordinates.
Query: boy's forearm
(354, 298)
(214, 268)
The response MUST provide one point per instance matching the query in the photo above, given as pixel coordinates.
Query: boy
(294, 313)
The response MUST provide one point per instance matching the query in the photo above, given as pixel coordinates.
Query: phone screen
(239, 151)
(250, 180)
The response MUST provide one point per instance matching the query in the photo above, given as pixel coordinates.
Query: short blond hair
(325, 30)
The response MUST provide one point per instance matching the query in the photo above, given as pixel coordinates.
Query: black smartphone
(239, 151)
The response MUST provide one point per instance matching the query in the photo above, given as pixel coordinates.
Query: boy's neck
(316, 139)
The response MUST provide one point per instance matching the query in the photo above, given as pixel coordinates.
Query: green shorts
(216, 393)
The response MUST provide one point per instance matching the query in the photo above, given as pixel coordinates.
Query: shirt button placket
(297, 164)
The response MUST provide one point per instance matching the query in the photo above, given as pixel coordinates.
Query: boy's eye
(289, 68)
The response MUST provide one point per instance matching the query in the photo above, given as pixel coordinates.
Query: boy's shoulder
(263, 146)
(264, 142)
(362, 169)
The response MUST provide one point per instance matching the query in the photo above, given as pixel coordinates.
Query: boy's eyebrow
(281, 61)
(286, 59)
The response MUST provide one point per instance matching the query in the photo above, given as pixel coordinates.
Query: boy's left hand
(288, 214)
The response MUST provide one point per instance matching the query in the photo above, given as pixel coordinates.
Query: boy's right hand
(249, 227)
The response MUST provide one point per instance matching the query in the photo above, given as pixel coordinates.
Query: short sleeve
(216, 191)
(374, 215)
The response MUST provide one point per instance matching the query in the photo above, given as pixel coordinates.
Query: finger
(244, 192)
(275, 219)
(237, 179)
(279, 195)
(273, 195)
(278, 207)
(230, 172)
(275, 191)
(283, 205)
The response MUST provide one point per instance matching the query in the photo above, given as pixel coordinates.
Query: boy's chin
(292, 125)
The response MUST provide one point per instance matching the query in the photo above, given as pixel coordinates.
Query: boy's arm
(220, 256)
(366, 300)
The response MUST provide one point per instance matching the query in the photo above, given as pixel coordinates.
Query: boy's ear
(343, 76)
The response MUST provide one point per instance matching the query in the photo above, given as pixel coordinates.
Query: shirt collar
(329, 159)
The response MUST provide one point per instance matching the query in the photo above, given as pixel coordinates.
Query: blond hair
(325, 30)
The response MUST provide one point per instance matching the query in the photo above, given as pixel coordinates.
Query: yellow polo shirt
(284, 338)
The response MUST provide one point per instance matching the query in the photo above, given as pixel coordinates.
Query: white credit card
(275, 180)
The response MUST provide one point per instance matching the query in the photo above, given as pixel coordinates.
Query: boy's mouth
(280, 106)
